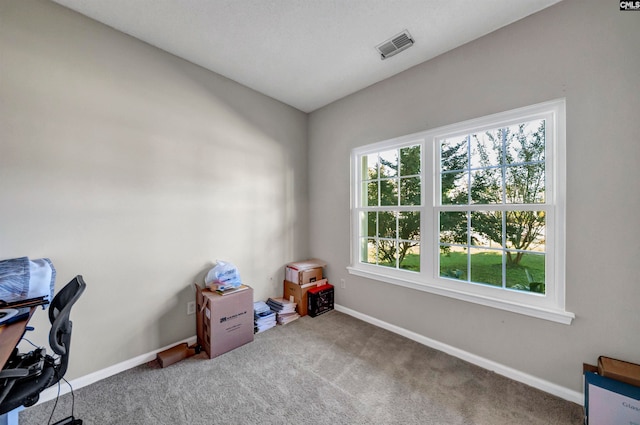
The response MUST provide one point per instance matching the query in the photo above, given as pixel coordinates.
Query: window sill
(554, 315)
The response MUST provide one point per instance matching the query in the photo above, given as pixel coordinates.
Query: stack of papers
(281, 305)
(284, 318)
(285, 310)
(263, 317)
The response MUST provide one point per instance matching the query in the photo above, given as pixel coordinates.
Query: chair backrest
(20, 389)
(59, 310)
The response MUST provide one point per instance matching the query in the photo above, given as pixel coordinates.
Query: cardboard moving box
(299, 293)
(619, 370)
(223, 322)
(302, 272)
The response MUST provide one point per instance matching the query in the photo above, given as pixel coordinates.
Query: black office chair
(26, 375)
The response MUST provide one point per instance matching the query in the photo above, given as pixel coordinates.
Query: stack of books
(285, 310)
(263, 317)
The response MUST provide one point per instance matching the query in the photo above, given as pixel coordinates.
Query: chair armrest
(14, 373)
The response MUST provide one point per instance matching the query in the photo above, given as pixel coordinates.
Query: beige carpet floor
(332, 369)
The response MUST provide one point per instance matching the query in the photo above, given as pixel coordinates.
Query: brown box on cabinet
(223, 322)
(303, 272)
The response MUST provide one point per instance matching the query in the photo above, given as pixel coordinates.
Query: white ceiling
(305, 53)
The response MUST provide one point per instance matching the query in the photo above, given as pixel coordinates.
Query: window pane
(368, 252)
(370, 163)
(526, 271)
(486, 266)
(411, 258)
(525, 184)
(453, 227)
(387, 253)
(486, 149)
(525, 142)
(389, 163)
(410, 191)
(409, 225)
(369, 222)
(453, 263)
(455, 188)
(372, 193)
(486, 229)
(389, 192)
(486, 186)
(526, 230)
(387, 224)
(410, 161)
(454, 154)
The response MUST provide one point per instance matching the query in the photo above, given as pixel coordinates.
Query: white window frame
(549, 306)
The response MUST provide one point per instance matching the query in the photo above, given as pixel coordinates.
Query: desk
(10, 336)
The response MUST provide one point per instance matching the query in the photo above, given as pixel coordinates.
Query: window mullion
(377, 238)
(430, 171)
(468, 169)
(397, 237)
(503, 172)
(504, 248)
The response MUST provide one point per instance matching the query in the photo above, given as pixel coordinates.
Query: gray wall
(586, 51)
(137, 169)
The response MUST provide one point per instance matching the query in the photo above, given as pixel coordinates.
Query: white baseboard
(516, 375)
(52, 392)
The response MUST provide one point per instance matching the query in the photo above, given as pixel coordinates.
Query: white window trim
(550, 306)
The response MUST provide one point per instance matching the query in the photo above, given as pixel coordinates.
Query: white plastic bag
(224, 275)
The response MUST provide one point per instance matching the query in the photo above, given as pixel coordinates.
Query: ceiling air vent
(395, 45)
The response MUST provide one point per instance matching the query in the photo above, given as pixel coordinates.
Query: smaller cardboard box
(299, 293)
(223, 322)
(320, 300)
(303, 272)
(619, 370)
